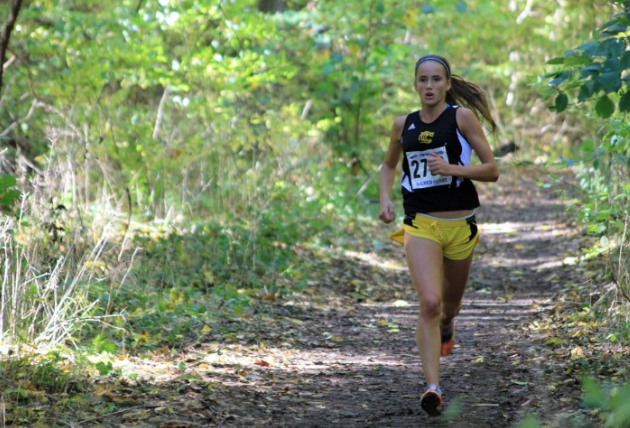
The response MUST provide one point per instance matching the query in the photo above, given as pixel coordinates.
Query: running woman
(439, 230)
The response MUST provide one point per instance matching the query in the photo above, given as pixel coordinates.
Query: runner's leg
(455, 279)
(424, 259)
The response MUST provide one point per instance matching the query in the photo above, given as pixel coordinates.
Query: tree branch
(28, 69)
(6, 34)
(160, 113)
(14, 125)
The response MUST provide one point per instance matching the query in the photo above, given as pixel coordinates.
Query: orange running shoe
(448, 339)
(431, 401)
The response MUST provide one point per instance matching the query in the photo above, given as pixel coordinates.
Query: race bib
(421, 177)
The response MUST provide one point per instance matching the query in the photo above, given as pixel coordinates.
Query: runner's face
(431, 83)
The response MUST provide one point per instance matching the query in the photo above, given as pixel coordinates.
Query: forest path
(367, 373)
(342, 353)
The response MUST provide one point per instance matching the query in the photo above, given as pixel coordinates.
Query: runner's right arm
(388, 171)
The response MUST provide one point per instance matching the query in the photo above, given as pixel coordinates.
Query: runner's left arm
(470, 127)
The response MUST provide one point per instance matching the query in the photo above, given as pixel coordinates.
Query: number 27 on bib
(421, 177)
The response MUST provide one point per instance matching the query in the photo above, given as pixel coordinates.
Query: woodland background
(162, 160)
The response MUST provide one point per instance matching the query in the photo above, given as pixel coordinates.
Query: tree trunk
(4, 41)
(271, 6)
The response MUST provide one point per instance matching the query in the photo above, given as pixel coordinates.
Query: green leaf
(588, 48)
(593, 395)
(562, 100)
(427, 9)
(588, 146)
(610, 48)
(592, 69)
(8, 197)
(574, 61)
(102, 343)
(560, 79)
(104, 368)
(7, 181)
(616, 28)
(625, 61)
(586, 91)
(624, 103)
(610, 81)
(604, 107)
(529, 422)
(556, 61)
(613, 64)
(461, 6)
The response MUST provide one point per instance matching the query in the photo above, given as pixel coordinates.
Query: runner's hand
(387, 213)
(438, 166)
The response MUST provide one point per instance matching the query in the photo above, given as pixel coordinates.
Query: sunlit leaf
(556, 61)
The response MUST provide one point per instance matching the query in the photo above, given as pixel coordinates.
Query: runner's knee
(430, 307)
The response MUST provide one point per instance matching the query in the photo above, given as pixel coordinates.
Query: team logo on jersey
(426, 137)
(411, 127)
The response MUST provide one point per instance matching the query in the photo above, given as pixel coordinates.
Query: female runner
(439, 231)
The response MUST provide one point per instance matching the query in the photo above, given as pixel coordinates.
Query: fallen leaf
(577, 352)
(262, 363)
(102, 390)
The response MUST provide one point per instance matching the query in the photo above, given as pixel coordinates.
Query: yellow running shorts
(457, 237)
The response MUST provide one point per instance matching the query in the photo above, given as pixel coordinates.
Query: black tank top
(423, 192)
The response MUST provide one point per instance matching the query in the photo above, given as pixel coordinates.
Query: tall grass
(53, 256)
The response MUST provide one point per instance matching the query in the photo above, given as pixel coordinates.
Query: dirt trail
(367, 372)
(345, 354)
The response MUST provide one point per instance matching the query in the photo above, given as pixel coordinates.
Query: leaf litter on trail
(276, 366)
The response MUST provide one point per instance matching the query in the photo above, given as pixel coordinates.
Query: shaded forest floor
(342, 352)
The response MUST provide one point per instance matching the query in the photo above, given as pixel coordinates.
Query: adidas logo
(413, 126)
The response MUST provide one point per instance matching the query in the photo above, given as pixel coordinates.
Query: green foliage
(102, 344)
(216, 140)
(8, 195)
(604, 107)
(604, 206)
(596, 69)
(104, 368)
(612, 400)
(26, 376)
(561, 102)
(530, 421)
